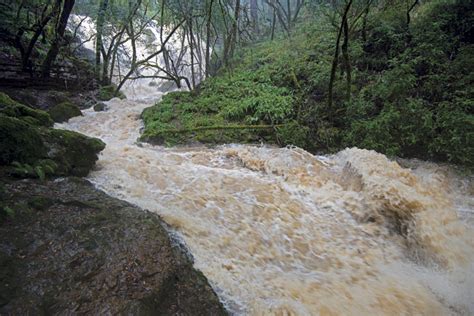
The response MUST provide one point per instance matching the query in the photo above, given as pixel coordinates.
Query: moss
(62, 112)
(108, 92)
(30, 148)
(12, 108)
(74, 153)
(19, 141)
(46, 152)
(5, 100)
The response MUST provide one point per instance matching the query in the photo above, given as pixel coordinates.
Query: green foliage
(41, 169)
(63, 111)
(419, 103)
(455, 138)
(293, 133)
(246, 100)
(22, 169)
(40, 173)
(412, 89)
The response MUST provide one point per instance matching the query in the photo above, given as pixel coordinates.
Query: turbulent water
(280, 231)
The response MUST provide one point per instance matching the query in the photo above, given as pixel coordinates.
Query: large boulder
(100, 107)
(28, 141)
(19, 141)
(74, 153)
(32, 116)
(71, 249)
(62, 112)
(46, 99)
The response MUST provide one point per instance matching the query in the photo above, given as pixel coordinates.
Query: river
(280, 231)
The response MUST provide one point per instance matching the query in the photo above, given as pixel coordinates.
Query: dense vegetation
(393, 76)
(411, 89)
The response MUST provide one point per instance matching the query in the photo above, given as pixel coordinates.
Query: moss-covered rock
(62, 112)
(74, 153)
(12, 108)
(108, 92)
(99, 107)
(32, 149)
(19, 141)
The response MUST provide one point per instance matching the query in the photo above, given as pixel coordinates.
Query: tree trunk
(191, 46)
(273, 24)
(281, 14)
(208, 38)
(58, 39)
(288, 14)
(25, 60)
(336, 56)
(136, 64)
(409, 12)
(345, 55)
(254, 15)
(229, 45)
(235, 28)
(99, 30)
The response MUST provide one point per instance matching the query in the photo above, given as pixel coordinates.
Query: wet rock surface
(47, 98)
(71, 249)
(100, 107)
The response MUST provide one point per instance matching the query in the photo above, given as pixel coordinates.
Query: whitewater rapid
(279, 231)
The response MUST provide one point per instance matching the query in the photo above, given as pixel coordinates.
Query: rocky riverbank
(69, 248)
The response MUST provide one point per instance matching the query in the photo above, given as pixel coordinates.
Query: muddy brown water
(278, 231)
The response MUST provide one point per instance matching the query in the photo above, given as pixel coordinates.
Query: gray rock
(100, 107)
(71, 249)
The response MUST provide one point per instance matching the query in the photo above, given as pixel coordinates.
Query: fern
(29, 169)
(49, 166)
(16, 164)
(40, 173)
(22, 169)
